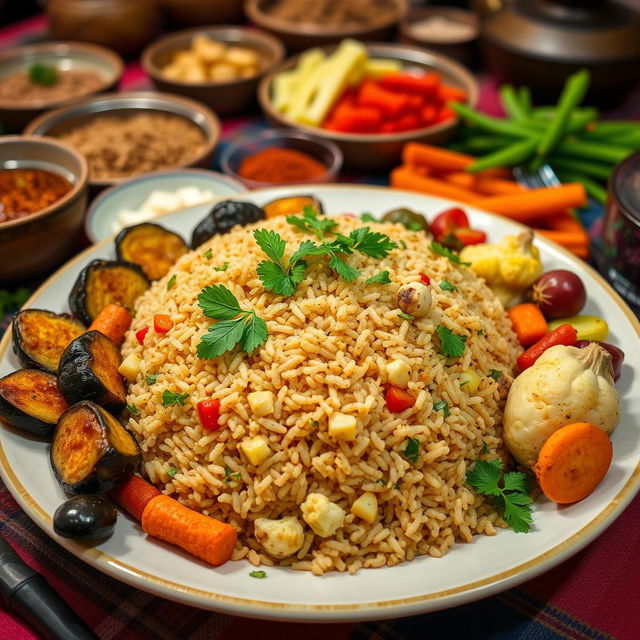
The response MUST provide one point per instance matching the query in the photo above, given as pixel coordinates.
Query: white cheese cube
(256, 449)
(366, 507)
(261, 402)
(342, 426)
(130, 367)
(398, 373)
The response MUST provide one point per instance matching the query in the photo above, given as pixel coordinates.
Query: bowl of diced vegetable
(368, 98)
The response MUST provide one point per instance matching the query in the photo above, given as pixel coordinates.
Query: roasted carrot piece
(528, 323)
(113, 321)
(573, 461)
(403, 178)
(204, 537)
(484, 185)
(134, 495)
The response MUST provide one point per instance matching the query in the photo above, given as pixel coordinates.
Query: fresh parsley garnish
(367, 217)
(223, 267)
(382, 481)
(311, 223)
(412, 450)
(208, 254)
(445, 285)
(403, 244)
(171, 471)
(442, 405)
(513, 496)
(152, 378)
(441, 250)
(405, 316)
(258, 574)
(314, 423)
(230, 476)
(43, 74)
(134, 411)
(485, 448)
(495, 374)
(235, 325)
(169, 398)
(380, 278)
(480, 332)
(371, 243)
(452, 345)
(171, 283)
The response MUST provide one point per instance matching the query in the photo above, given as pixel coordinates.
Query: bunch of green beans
(568, 137)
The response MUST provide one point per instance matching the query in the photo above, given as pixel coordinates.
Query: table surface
(594, 595)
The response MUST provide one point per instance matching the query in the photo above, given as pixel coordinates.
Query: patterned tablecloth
(594, 595)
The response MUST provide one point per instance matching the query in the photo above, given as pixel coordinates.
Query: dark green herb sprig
(171, 471)
(412, 450)
(223, 267)
(169, 398)
(445, 285)
(43, 74)
(441, 250)
(512, 496)
(496, 374)
(235, 325)
(230, 476)
(171, 283)
(442, 405)
(452, 345)
(152, 378)
(311, 223)
(133, 410)
(258, 574)
(380, 278)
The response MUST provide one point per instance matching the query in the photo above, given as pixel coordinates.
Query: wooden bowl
(75, 56)
(59, 121)
(225, 98)
(380, 151)
(37, 243)
(298, 36)
(192, 13)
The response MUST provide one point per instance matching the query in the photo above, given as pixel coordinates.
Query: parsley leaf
(445, 285)
(405, 316)
(171, 283)
(513, 496)
(254, 333)
(485, 448)
(380, 278)
(495, 374)
(311, 223)
(441, 250)
(258, 574)
(43, 74)
(345, 271)
(152, 378)
(275, 278)
(371, 243)
(271, 243)
(171, 471)
(452, 345)
(217, 302)
(223, 267)
(221, 337)
(367, 217)
(442, 405)
(480, 332)
(412, 450)
(230, 476)
(169, 398)
(208, 254)
(403, 244)
(134, 411)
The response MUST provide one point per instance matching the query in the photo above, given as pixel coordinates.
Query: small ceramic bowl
(37, 243)
(103, 212)
(379, 151)
(59, 121)
(67, 56)
(191, 13)
(325, 151)
(225, 98)
(298, 36)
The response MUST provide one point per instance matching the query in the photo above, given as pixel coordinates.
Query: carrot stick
(113, 321)
(404, 178)
(483, 184)
(528, 323)
(565, 238)
(440, 159)
(134, 495)
(204, 537)
(566, 222)
(573, 461)
(535, 204)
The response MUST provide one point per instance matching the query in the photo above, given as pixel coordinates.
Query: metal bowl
(37, 243)
(54, 123)
(74, 56)
(379, 151)
(225, 98)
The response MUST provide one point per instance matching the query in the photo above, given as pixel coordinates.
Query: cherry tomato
(470, 236)
(398, 399)
(617, 355)
(209, 414)
(446, 221)
(162, 323)
(559, 294)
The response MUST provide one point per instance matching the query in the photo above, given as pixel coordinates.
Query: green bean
(572, 95)
(483, 144)
(629, 138)
(511, 103)
(596, 191)
(593, 151)
(591, 169)
(515, 153)
(525, 100)
(494, 125)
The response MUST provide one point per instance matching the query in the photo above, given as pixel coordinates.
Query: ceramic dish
(130, 195)
(468, 572)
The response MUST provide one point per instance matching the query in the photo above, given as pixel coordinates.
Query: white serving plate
(468, 572)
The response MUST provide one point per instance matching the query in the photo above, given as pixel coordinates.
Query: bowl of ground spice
(281, 157)
(128, 134)
(45, 76)
(307, 23)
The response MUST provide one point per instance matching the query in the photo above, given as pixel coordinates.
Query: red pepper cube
(398, 400)
(162, 323)
(209, 414)
(470, 236)
(141, 334)
(425, 278)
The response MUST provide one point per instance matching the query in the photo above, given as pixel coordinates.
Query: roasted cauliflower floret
(322, 515)
(279, 538)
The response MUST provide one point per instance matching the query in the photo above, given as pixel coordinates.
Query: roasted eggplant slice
(85, 517)
(102, 282)
(40, 337)
(91, 451)
(150, 246)
(291, 206)
(223, 217)
(89, 371)
(30, 400)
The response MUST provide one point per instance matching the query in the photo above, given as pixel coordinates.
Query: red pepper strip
(564, 334)
(426, 84)
(406, 123)
(429, 114)
(209, 414)
(398, 400)
(425, 278)
(445, 114)
(141, 334)
(451, 94)
(389, 103)
(162, 323)
(357, 120)
(470, 236)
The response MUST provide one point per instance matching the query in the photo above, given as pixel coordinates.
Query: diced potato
(173, 71)
(322, 515)
(470, 380)
(196, 73)
(222, 72)
(398, 373)
(261, 402)
(256, 449)
(247, 72)
(206, 49)
(366, 507)
(342, 426)
(186, 59)
(130, 367)
(241, 57)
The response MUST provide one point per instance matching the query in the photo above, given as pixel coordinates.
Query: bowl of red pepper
(370, 99)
